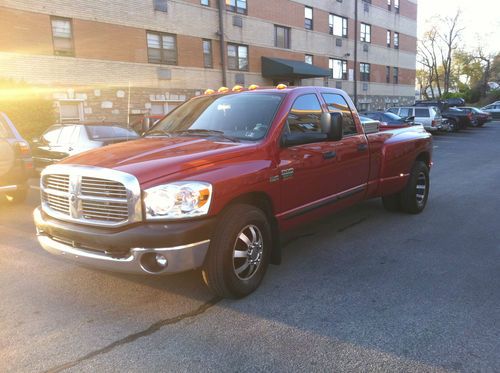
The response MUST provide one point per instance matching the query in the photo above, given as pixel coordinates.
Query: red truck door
(313, 175)
(353, 157)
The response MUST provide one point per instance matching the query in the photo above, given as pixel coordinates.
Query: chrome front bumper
(180, 259)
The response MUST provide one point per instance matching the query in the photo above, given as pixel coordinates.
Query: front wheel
(239, 252)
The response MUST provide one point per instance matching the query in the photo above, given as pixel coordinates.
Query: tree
(27, 106)
(449, 35)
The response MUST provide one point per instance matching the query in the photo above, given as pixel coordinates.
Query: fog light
(153, 263)
(161, 260)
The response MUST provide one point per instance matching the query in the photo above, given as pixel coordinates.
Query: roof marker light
(253, 87)
(223, 90)
(208, 91)
(237, 88)
(281, 86)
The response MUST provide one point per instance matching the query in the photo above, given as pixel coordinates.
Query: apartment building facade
(120, 58)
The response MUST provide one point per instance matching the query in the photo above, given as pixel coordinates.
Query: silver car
(429, 116)
(493, 109)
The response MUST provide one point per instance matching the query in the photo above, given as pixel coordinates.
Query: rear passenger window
(422, 113)
(305, 115)
(337, 103)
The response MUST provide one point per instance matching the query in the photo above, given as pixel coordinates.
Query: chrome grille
(57, 182)
(90, 195)
(92, 186)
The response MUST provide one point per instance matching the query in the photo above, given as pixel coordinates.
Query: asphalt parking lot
(364, 290)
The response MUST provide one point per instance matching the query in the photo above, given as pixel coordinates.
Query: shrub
(27, 107)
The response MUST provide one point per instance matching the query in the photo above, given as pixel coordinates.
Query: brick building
(111, 59)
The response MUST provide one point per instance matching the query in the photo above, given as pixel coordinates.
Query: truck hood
(153, 158)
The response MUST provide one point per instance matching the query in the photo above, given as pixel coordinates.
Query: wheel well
(264, 202)
(424, 157)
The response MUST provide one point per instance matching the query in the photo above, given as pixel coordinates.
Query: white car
(493, 109)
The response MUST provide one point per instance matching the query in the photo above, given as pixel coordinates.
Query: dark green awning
(280, 68)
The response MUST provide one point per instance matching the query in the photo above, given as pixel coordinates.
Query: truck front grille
(90, 195)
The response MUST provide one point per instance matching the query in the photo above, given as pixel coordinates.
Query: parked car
(16, 165)
(215, 183)
(479, 117)
(428, 116)
(141, 122)
(493, 109)
(457, 118)
(63, 140)
(389, 120)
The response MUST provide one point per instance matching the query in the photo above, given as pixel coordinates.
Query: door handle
(362, 147)
(329, 155)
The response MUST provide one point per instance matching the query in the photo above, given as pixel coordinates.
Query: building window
(396, 6)
(367, 1)
(387, 74)
(207, 53)
(308, 58)
(389, 3)
(62, 37)
(338, 69)
(396, 40)
(388, 38)
(237, 6)
(205, 2)
(237, 57)
(364, 70)
(395, 76)
(308, 18)
(366, 33)
(282, 37)
(160, 5)
(337, 25)
(70, 111)
(162, 48)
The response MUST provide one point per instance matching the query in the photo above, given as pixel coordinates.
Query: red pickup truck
(214, 184)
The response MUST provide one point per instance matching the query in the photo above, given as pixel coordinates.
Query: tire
(414, 195)
(454, 125)
(236, 276)
(18, 196)
(392, 203)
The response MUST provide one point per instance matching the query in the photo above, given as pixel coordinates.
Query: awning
(280, 68)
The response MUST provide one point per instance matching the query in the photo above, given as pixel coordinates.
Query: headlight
(178, 200)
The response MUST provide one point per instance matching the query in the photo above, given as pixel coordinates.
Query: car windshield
(243, 116)
(109, 132)
(390, 117)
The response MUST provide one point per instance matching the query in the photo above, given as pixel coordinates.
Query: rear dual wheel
(413, 198)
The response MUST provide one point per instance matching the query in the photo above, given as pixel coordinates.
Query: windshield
(109, 132)
(243, 116)
(390, 117)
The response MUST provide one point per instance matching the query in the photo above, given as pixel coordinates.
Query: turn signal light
(237, 88)
(253, 87)
(208, 91)
(223, 90)
(281, 86)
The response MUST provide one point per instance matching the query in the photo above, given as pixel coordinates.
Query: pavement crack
(132, 337)
(352, 224)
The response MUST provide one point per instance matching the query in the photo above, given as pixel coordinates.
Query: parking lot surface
(362, 290)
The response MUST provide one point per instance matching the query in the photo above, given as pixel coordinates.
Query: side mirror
(409, 119)
(335, 132)
(331, 124)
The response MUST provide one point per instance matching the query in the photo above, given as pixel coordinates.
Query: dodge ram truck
(215, 183)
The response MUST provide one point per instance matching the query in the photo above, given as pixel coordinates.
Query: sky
(481, 19)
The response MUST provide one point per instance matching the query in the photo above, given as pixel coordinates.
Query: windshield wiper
(202, 131)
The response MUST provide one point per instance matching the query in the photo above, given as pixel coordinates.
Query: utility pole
(222, 8)
(355, 75)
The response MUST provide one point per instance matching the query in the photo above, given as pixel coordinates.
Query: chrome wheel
(421, 188)
(247, 252)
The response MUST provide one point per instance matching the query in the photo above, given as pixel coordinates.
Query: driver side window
(305, 115)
